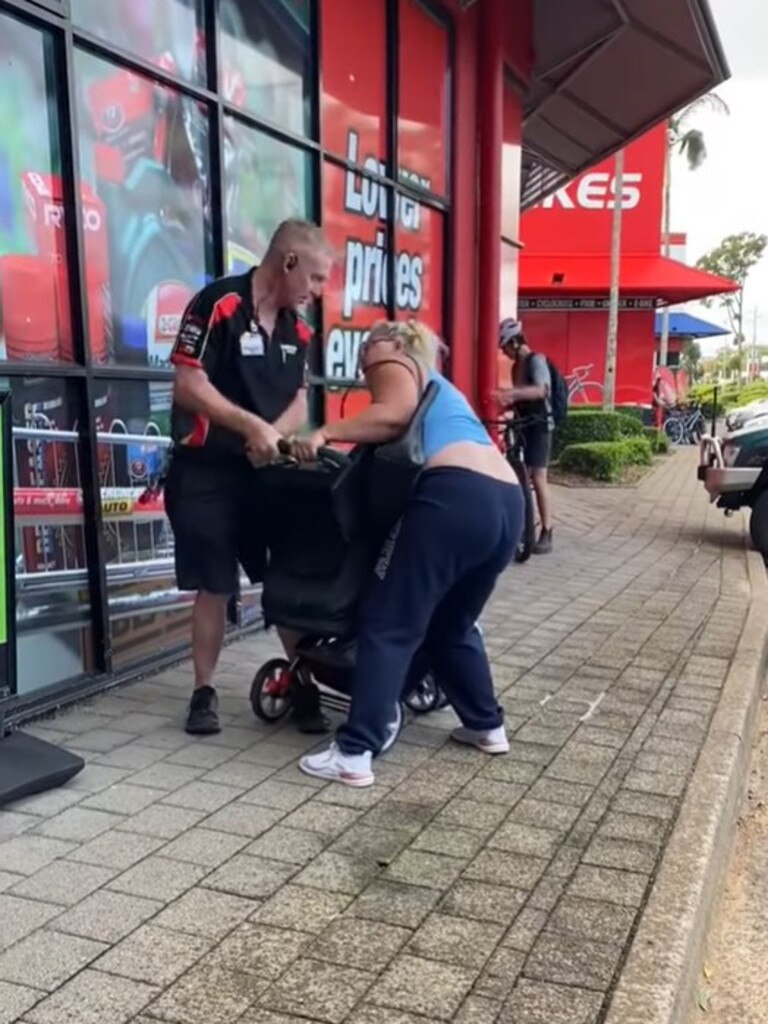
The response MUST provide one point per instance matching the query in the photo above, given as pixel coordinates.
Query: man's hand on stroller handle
(262, 441)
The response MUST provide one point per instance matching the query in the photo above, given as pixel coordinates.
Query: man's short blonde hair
(294, 235)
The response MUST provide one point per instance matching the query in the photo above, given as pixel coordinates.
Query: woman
(440, 564)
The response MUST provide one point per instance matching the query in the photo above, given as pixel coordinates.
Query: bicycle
(685, 426)
(514, 452)
(581, 390)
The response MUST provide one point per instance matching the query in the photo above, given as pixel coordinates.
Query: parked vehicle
(734, 470)
(738, 418)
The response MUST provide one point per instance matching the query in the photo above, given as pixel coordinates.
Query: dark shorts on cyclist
(537, 441)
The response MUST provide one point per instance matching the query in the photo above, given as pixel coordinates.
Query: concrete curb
(662, 972)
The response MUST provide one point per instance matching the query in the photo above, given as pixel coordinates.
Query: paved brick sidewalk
(208, 881)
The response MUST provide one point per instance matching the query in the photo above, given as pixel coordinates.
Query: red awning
(648, 276)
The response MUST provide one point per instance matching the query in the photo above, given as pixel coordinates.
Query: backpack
(558, 396)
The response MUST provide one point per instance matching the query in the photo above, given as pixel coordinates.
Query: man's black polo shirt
(219, 332)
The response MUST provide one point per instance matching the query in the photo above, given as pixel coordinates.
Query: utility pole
(664, 340)
(755, 360)
(609, 382)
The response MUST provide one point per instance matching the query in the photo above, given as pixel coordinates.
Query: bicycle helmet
(510, 332)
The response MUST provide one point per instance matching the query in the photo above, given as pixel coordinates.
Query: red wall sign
(578, 218)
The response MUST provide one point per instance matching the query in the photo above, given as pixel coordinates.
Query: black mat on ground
(29, 765)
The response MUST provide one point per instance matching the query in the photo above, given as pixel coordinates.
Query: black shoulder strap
(415, 372)
(528, 361)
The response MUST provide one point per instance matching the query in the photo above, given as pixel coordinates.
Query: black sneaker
(543, 545)
(203, 717)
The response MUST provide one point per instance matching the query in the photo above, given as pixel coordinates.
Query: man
(240, 359)
(530, 397)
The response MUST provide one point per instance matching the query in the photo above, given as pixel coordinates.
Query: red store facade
(163, 140)
(565, 275)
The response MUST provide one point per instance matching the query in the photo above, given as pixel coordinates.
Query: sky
(729, 193)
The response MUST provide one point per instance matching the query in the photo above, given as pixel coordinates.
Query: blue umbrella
(683, 325)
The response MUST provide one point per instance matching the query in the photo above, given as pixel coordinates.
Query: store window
(511, 157)
(147, 615)
(167, 33)
(144, 159)
(266, 181)
(355, 211)
(424, 94)
(53, 611)
(34, 297)
(419, 266)
(266, 60)
(354, 98)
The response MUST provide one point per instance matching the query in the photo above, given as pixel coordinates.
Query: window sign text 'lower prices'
(366, 268)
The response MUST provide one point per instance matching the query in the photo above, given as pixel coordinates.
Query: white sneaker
(490, 741)
(333, 764)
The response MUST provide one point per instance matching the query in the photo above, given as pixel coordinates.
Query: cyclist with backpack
(539, 398)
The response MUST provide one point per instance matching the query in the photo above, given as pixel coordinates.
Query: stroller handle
(325, 455)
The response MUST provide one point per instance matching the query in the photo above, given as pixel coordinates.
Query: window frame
(54, 18)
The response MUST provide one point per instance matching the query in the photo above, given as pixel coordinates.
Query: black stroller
(321, 548)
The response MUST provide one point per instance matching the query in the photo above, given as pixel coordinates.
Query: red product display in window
(34, 294)
(35, 289)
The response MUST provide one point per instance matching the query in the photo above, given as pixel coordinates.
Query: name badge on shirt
(251, 344)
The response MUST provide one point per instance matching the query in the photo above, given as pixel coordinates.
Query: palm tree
(690, 143)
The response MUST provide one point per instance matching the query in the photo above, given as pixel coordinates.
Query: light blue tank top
(450, 419)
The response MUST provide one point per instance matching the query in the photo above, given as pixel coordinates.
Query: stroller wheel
(394, 728)
(426, 696)
(271, 690)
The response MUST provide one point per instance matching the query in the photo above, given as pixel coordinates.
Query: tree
(690, 143)
(709, 369)
(691, 359)
(734, 258)
(736, 363)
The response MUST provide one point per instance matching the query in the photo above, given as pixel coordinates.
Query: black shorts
(213, 511)
(538, 447)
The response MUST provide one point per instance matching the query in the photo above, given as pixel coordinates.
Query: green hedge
(658, 439)
(640, 412)
(605, 460)
(584, 427)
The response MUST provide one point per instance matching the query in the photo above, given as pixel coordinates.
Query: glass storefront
(161, 144)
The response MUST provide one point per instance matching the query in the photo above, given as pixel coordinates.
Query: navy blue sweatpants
(433, 577)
